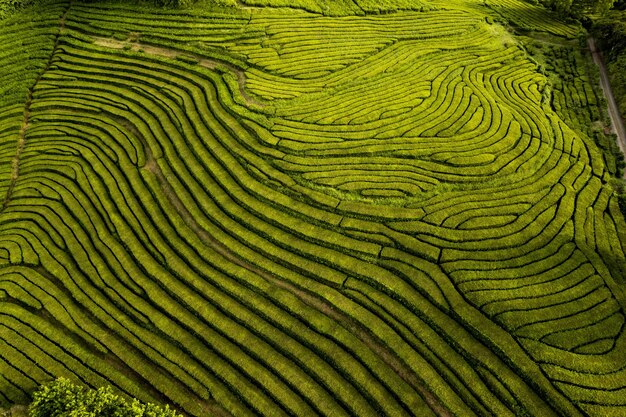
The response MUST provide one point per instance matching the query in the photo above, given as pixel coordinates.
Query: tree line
(62, 398)
(579, 8)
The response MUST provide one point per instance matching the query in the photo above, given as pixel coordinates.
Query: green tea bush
(63, 398)
(611, 34)
(273, 212)
(174, 3)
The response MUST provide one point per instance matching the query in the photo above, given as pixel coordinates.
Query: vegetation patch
(306, 208)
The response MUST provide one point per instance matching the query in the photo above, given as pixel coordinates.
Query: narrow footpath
(617, 124)
(21, 137)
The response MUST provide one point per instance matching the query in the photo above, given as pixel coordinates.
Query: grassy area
(310, 208)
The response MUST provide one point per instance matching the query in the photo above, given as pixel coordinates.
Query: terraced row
(27, 43)
(405, 228)
(70, 64)
(574, 97)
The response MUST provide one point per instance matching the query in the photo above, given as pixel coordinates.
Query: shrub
(63, 398)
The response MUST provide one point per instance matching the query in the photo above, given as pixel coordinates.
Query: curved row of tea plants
(226, 211)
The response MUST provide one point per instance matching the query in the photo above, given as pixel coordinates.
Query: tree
(62, 398)
(580, 7)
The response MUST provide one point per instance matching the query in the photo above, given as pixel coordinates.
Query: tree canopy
(63, 398)
(581, 7)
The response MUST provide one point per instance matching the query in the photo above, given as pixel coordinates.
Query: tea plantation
(311, 207)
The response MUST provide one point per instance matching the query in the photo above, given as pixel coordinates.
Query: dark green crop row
(270, 211)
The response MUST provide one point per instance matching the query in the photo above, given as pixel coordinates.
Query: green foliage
(580, 7)
(574, 79)
(8, 7)
(29, 36)
(622, 203)
(610, 31)
(326, 7)
(63, 398)
(174, 3)
(271, 228)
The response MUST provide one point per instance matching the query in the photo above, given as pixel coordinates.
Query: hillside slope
(314, 208)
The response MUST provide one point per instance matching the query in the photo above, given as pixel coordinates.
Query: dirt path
(21, 137)
(173, 53)
(617, 124)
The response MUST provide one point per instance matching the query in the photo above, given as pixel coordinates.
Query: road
(617, 124)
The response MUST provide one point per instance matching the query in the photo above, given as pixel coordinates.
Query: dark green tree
(581, 7)
(62, 398)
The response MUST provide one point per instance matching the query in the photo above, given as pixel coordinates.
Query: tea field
(311, 207)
